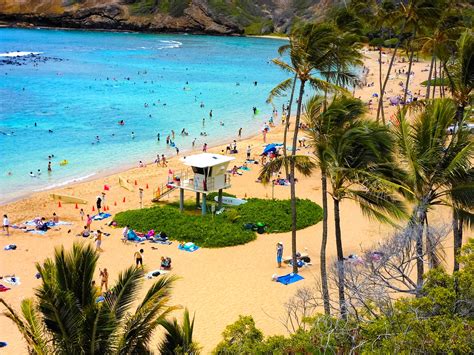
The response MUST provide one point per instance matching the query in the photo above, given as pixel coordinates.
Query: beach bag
(156, 273)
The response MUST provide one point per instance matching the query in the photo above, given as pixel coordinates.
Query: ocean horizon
(64, 93)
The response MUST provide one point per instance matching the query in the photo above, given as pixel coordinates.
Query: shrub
(276, 214)
(220, 230)
(205, 231)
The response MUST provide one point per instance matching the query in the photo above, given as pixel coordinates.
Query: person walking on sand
(279, 250)
(139, 257)
(81, 213)
(204, 148)
(89, 222)
(6, 224)
(240, 132)
(249, 152)
(98, 240)
(163, 161)
(104, 279)
(98, 203)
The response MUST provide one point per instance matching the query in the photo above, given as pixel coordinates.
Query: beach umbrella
(269, 148)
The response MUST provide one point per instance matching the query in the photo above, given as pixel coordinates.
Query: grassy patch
(276, 214)
(221, 230)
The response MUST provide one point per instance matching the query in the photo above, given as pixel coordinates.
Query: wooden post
(198, 195)
(181, 200)
(219, 199)
(203, 206)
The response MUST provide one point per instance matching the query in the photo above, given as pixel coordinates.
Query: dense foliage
(220, 230)
(441, 321)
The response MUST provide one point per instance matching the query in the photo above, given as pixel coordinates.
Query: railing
(185, 179)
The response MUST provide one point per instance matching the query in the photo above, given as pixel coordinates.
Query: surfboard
(68, 199)
(230, 200)
(125, 184)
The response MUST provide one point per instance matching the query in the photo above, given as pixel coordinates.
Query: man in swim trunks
(139, 257)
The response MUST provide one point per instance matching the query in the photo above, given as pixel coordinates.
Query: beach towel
(101, 216)
(190, 247)
(12, 280)
(3, 288)
(10, 247)
(155, 273)
(289, 279)
(133, 237)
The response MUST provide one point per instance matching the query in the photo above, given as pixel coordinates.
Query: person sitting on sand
(165, 263)
(55, 218)
(85, 233)
(41, 224)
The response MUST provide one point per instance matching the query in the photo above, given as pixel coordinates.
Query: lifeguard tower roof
(205, 160)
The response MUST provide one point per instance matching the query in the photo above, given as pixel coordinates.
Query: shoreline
(110, 172)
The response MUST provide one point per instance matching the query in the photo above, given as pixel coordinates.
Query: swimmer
(32, 174)
(49, 167)
(221, 123)
(158, 137)
(39, 172)
(133, 135)
(50, 131)
(210, 114)
(194, 143)
(97, 138)
(203, 121)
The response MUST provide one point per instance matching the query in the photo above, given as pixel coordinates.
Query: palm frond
(30, 326)
(278, 90)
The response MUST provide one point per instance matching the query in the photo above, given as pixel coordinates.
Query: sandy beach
(215, 284)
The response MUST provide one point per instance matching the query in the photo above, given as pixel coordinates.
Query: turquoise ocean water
(94, 79)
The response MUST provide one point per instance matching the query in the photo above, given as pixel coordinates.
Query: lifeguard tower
(209, 174)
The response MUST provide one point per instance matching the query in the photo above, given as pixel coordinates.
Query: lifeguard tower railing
(185, 180)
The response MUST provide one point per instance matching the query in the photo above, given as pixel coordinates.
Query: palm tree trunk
(340, 260)
(287, 126)
(420, 218)
(434, 78)
(324, 241)
(380, 106)
(428, 86)
(457, 233)
(292, 179)
(412, 52)
(380, 83)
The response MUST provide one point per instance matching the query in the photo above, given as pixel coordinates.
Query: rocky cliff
(197, 16)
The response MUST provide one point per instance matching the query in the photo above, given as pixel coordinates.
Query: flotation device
(63, 162)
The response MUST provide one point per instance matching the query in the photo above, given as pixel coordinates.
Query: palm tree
(411, 15)
(324, 119)
(68, 317)
(460, 73)
(358, 162)
(179, 338)
(311, 49)
(435, 164)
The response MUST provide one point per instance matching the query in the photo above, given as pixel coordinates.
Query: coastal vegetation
(226, 229)
(441, 320)
(412, 166)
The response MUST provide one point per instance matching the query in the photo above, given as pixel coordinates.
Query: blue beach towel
(289, 279)
(101, 216)
(188, 247)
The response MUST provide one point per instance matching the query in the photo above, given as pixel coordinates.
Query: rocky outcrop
(196, 16)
